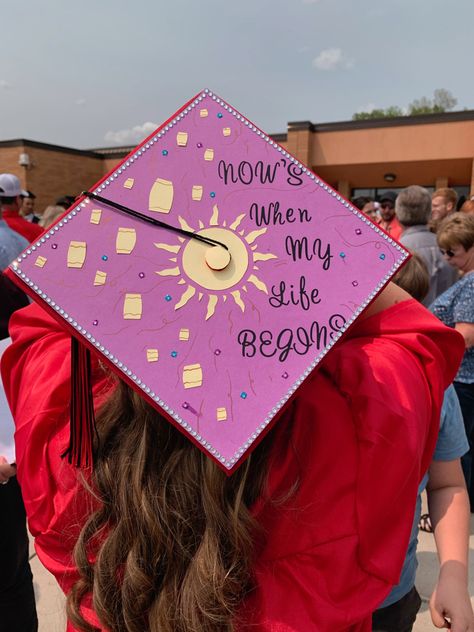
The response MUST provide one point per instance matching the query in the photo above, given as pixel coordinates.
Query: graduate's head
(387, 205)
(443, 202)
(468, 207)
(10, 191)
(413, 277)
(456, 230)
(456, 241)
(27, 203)
(413, 206)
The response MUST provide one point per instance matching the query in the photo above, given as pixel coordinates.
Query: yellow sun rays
(236, 223)
(186, 296)
(169, 272)
(238, 300)
(212, 298)
(167, 247)
(259, 256)
(211, 305)
(184, 224)
(260, 285)
(214, 221)
(251, 237)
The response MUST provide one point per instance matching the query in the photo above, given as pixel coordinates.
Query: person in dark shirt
(17, 599)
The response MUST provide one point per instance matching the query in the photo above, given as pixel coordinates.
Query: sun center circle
(196, 266)
(217, 257)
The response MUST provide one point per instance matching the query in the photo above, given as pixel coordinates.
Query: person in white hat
(10, 192)
(11, 243)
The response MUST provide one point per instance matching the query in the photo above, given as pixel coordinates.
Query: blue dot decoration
(212, 194)
(165, 152)
(382, 256)
(168, 298)
(174, 354)
(243, 395)
(104, 257)
(342, 255)
(219, 115)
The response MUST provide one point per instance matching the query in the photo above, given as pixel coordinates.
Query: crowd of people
(441, 231)
(20, 225)
(318, 529)
(20, 216)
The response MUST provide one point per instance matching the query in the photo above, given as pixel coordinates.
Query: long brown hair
(170, 546)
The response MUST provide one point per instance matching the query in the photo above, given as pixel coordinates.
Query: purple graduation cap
(212, 271)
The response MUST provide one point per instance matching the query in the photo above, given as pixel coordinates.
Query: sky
(101, 74)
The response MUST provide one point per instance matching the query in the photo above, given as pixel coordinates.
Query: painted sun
(191, 263)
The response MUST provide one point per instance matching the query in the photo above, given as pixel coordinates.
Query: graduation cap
(211, 271)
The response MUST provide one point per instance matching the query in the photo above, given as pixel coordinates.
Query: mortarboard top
(219, 331)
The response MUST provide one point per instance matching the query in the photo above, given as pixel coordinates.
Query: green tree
(442, 101)
(422, 106)
(389, 112)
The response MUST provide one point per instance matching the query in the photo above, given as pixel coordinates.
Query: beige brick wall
(109, 163)
(53, 174)
(9, 162)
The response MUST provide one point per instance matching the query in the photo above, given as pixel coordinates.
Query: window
(376, 194)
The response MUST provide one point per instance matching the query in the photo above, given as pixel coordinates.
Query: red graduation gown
(359, 441)
(19, 224)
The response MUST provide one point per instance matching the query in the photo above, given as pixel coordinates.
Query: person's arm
(6, 470)
(449, 512)
(467, 331)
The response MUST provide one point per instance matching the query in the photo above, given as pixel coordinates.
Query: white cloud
(331, 59)
(5, 85)
(80, 101)
(131, 135)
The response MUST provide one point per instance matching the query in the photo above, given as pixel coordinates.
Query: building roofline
(24, 142)
(113, 150)
(396, 121)
(293, 126)
(121, 151)
(279, 138)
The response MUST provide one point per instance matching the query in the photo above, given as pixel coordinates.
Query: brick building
(355, 157)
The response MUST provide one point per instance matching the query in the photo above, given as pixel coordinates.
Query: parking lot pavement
(50, 602)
